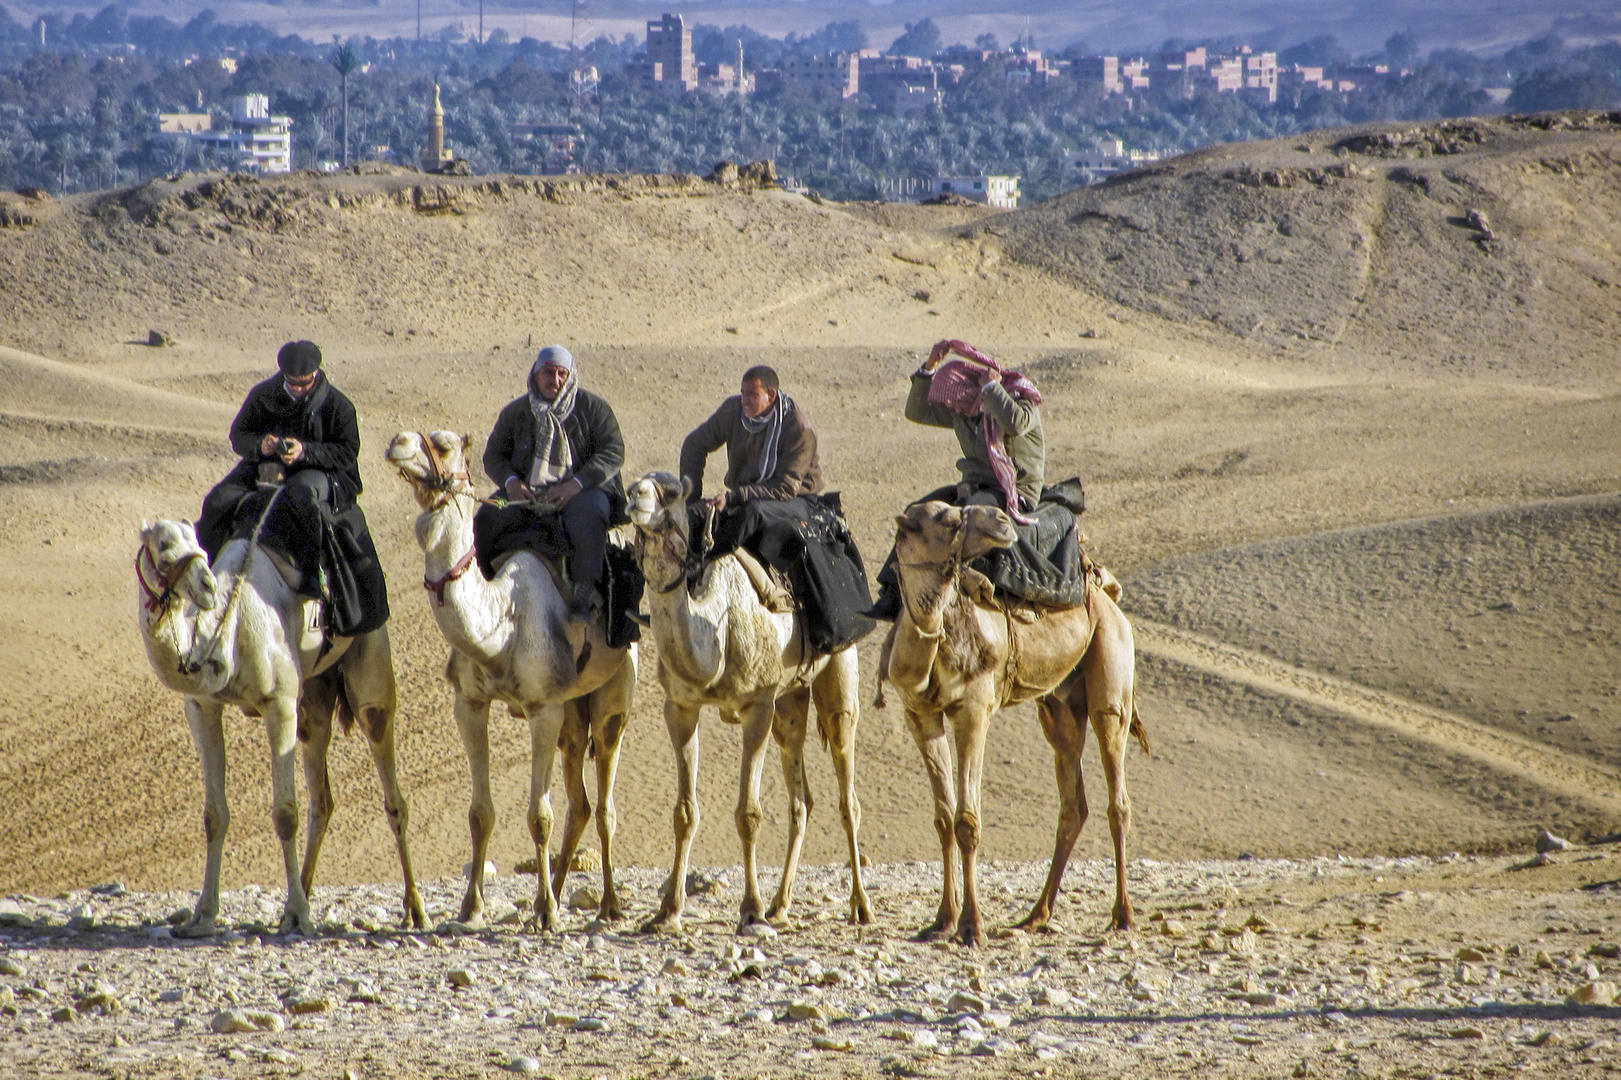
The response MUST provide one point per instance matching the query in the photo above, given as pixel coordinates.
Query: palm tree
(345, 60)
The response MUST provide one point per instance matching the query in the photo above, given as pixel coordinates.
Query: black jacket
(323, 420)
(593, 438)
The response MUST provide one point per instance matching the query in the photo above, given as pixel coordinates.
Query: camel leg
(788, 724)
(281, 727)
(838, 708)
(682, 724)
(1067, 736)
(315, 705)
(545, 723)
(610, 712)
(368, 679)
(970, 724)
(756, 727)
(473, 723)
(572, 744)
(1109, 669)
(929, 732)
(208, 732)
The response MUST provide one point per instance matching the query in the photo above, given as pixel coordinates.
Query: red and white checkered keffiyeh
(957, 384)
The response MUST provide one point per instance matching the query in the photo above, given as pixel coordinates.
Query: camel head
(937, 533)
(434, 464)
(658, 503)
(174, 560)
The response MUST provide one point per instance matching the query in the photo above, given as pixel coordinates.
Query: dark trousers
(579, 531)
(219, 507)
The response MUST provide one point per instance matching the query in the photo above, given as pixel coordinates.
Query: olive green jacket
(1021, 430)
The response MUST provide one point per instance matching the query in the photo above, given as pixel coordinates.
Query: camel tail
(346, 711)
(1139, 730)
(878, 701)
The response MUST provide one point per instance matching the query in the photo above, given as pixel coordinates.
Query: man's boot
(579, 609)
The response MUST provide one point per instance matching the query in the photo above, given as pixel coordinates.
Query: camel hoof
(971, 935)
(415, 918)
(542, 923)
(1034, 922)
(860, 912)
(932, 932)
(610, 911)
(661, 924)
(296, 922)
(198, 928)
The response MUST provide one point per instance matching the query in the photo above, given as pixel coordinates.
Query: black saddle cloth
(1045, 566)
(542, 534)
(332, 550)
(807, 540)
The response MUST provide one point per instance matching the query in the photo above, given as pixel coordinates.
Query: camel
(510, 641)
(237, 634)
(719, 645)
(961, 659)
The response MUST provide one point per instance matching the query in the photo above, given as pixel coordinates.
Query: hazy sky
(1361, 24)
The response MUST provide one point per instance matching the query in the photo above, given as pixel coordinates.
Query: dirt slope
(428, 295)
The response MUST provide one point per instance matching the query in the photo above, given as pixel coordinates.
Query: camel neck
(471, 611)
(690, 630)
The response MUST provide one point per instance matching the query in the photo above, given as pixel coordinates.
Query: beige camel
(237, 634)
(510, 641)
(954, 659)
(719, 645)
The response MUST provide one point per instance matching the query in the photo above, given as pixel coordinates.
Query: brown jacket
(797, 471)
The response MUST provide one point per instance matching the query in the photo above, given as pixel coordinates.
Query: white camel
(237, 634)
(511, 641)
(719, 645)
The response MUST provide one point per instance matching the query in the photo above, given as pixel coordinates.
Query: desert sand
(1355, 457)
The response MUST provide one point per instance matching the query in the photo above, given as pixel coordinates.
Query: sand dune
(1315, 678)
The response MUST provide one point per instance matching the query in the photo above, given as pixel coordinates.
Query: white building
(1107, 157)
(999, 191)
(256, 141)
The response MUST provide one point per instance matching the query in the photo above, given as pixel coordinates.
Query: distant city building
(1103, 71)
(561, 142)
(998, 191)
(1105, 158)
(256, 141)
(839, 72)
(900, 85)
(666, 63)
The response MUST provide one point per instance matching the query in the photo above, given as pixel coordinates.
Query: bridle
(447, 484)
(953, 568)
(684, 559)
(167, 579)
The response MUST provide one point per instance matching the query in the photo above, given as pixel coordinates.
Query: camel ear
(467, 440)
(903, 523)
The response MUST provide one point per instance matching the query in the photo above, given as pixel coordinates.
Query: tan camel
(956, 659)
(719, 645)
(510, 642)
(238, 634)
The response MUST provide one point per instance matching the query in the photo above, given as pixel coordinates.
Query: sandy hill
(1214, 453)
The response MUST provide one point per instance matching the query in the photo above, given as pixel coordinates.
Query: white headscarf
(770, 422)
(554, 457)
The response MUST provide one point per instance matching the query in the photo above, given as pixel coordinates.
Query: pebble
(1547, 841)
(964, 1002)
(460, 978)
(1593, 993)
(760, 930)
(1245, 944)
(1466, 1032)
(1472, 955)
(10, 965)
(230, 1022)
(523, 1063)
(828, 1042)
(307, 1005)
(590, 1023)
(1051, 996)
(585, 898)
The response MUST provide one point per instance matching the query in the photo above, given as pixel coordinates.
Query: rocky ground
(1389, 967)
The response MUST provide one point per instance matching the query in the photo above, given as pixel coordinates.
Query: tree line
(80, 112)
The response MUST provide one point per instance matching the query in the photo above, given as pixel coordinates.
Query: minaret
(433, 157)
(740, 83)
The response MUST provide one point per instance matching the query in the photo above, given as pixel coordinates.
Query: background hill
(1426, 418)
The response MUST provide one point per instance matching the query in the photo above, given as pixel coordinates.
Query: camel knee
(375, 719)
(1120, 815)
(1071, 819)
(322, 804)
(748, 822)
(685, 817)
(215, 822)
(286, 820)
(968, 831)
(481, 820)
(944, 824)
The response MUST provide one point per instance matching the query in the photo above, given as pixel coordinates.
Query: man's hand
(268, 445)
(291, 450)
(560, 493)
(518, 491)
(716, 503)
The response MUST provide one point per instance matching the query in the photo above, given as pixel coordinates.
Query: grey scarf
(770, 422)
(554, 458)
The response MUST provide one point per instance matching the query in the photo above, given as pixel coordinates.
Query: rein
(684, 560)
(440, 479)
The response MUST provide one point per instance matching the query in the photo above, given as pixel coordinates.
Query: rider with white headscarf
(556, 451)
